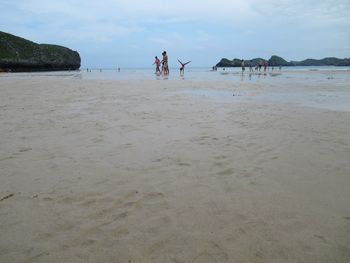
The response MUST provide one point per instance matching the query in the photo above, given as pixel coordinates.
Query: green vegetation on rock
(278, 61)
(19, 54)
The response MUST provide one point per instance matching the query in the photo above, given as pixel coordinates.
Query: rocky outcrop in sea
(18, 55)
(279, 61)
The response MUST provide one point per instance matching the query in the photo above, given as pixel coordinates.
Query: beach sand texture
(151, 171)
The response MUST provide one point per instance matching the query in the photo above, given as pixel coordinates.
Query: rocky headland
(279, 61)
(20, 55)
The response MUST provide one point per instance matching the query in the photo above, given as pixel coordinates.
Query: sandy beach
(173, 171)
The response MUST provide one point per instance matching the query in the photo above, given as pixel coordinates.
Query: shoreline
(283, 77)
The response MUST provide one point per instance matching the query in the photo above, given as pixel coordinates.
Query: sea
(311, 74)
(336, 98)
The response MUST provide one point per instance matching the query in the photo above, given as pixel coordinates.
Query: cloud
(127, 14)
(198, 27)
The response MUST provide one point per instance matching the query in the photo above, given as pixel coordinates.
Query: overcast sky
(124, 33)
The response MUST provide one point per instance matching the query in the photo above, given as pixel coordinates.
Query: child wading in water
(157, 63)
(182, 68)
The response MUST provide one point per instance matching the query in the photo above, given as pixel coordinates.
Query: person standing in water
(265, 65)
(165, 63)
(250, 67)
(242, 65)
(182, 68)
(157, 63)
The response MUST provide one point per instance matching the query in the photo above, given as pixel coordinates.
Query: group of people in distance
(165, 65)
(257, 66)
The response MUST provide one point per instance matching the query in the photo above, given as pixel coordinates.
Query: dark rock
(279, 61)
(224, 62)
(276, 61)
(18, 54)
(330, 61)
(236, 62)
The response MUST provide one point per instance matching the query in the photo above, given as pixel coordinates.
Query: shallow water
(336, 77)
(339, 75)
(330, 100)
(211, 93)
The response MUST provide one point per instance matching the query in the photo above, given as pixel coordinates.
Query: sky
(124, 33)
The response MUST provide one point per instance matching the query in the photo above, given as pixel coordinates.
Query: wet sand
(171, 171)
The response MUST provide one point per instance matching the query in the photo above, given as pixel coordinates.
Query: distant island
(19, 55)
(278, 61)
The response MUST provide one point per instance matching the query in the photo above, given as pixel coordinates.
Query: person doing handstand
(182, 68)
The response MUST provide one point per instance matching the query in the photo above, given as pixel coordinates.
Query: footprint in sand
(25, 149)
(206, 257)
(121, 216)
(226, 172)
